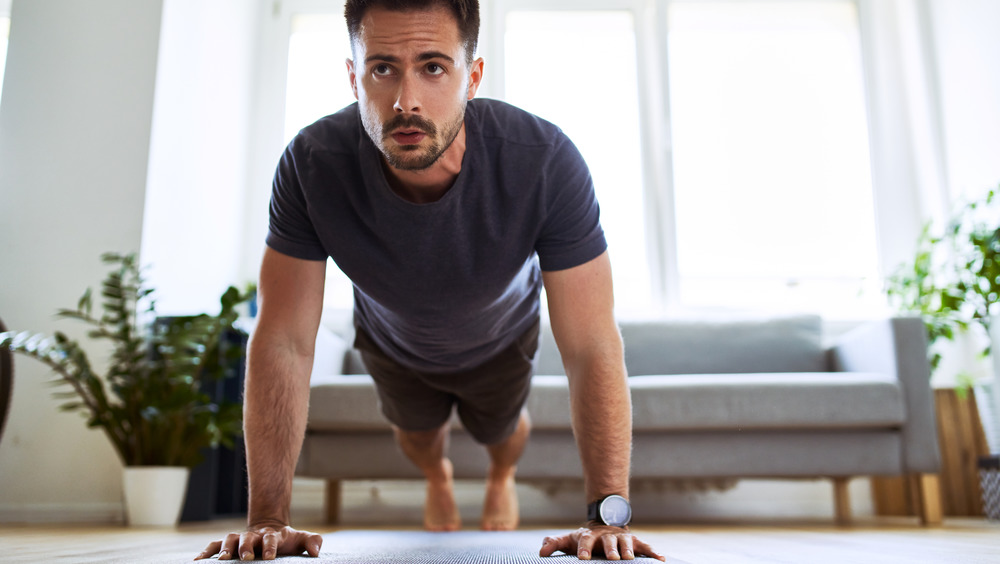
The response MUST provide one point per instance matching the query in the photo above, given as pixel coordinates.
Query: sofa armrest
(898, 346)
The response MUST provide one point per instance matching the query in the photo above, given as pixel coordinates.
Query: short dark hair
(466, 12)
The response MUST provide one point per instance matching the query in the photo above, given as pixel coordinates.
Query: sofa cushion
(819, 400)
(822, 400)
(338, 402)
(785, 344)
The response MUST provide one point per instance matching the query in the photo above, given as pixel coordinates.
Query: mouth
(408, 136)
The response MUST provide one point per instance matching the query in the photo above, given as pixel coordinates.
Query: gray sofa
(712, 402)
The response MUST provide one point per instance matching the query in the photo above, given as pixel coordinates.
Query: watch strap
(593, 511)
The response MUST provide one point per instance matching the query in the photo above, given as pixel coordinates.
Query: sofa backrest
(785, 344)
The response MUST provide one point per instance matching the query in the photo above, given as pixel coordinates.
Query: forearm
(274, 420)
(602, 422)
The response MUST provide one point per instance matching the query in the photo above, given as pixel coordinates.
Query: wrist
(265, 523)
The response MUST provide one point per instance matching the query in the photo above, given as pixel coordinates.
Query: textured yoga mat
(465, 547)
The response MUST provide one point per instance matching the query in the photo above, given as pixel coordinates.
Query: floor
(869, 541)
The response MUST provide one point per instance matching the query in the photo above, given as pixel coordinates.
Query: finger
(269, 545)
(553, 544)
(610, 543)
(211, 550)
(585, 545)
(248, 545)
(626, 547)
(229, 546)
(312, 544)
(643, 549)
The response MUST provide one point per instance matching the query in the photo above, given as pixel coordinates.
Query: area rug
(465, 547)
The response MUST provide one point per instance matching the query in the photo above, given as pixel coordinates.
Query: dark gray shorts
(489, 398)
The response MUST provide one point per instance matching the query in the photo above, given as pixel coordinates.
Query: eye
(381, 69)
(434, 68)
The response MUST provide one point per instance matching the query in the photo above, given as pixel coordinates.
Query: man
(448, 216)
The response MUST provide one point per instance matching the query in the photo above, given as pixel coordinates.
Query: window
(318, 47)
(728, 140)
(317, 75)
(767, 187)
(593, 96)
(772, 182)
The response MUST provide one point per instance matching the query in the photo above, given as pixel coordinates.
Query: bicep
(290, 295)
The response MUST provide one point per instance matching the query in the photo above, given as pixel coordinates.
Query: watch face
(616, 511)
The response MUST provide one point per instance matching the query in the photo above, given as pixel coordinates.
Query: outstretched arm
(581, 308)
(276, 401)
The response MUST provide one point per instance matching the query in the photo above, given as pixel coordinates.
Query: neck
(431, 184)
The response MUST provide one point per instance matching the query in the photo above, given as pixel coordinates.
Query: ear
(475, 77)
(353, 77)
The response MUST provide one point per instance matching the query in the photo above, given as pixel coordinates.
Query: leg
(928, 495)
(500, 509)
(426, 449)
(842, 500)
(408, 401)
(332, 502)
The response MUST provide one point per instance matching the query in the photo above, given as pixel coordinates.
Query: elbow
(603, 359)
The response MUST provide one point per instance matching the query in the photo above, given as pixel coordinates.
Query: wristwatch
(613, 510)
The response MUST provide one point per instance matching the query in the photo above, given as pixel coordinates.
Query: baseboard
(43, 513)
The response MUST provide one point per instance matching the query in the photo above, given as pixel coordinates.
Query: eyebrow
(426, 56)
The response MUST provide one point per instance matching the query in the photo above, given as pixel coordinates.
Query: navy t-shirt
(443, 286)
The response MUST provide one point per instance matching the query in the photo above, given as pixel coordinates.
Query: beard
(412, 157)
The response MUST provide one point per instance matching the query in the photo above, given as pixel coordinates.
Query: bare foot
(500, 509)
(440, 510)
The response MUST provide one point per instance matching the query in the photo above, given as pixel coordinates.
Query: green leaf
(149, 402)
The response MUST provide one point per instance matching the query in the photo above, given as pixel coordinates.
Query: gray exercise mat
(464, 547)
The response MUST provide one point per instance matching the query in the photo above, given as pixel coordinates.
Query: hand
(613, 542)
(268, 541)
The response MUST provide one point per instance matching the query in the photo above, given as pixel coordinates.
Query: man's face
(412, 81)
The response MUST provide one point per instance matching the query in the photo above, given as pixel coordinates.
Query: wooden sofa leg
(928, 498)
(332, 506)
(842, 500)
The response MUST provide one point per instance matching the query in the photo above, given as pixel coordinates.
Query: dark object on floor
(218, 486)
(6, 382)
(989, 478)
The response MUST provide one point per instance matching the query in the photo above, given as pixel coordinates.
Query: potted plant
(149, 401)
(953, 283)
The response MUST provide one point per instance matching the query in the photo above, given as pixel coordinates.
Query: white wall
(74, 139)
(124, 127)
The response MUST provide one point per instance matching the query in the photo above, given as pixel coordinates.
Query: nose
(407, 97)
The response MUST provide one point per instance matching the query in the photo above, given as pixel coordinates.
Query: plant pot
(962, 442)
(993, 425)
(154, 495)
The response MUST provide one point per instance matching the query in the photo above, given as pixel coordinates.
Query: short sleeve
(290, 229)
(571, 233)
